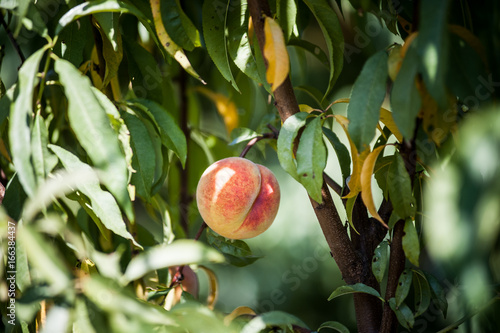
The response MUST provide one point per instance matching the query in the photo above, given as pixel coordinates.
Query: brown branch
(251, 143)
(332, 183)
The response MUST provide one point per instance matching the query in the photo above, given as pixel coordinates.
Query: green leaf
(422, 292)
(103, 203)
(21, 114)
(272, 318)
(44, 257)
(342, 153)
(400, 192)
(170, 133)
(43, 160)
(179, 27)
(403, 313)
(112, 298)
(380, 260)
(311, 159)
(112, 48)
(368, 93)
(434, 48)
(405, 98)
(239, 47)
(286, 140)
(313, 49)
(143, 160)
(411, 245)
(147, 81)
(403, 288)
(180, 252)
(356, 288)
(382, 173)
(334, 325)
(214, 18)
(330, 26)
(82, 322)
(438, 293)
(73, 40)
(236, 252)
(92, 128)
(242, 134)
(286, 11)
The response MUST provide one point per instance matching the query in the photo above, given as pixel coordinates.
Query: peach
(237, 198)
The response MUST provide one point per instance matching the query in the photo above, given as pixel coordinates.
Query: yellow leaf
(306, 108)
(213, 287)
(275, 53)
(173, 49)
(226, 108)
(366, 183)
(239, 311)
(354, 183)
(388, 121)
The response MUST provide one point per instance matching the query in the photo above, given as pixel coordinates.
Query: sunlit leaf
(286, 141)
(355, 288)
(403, 288)
(368, 93)
(181, 252)
(214, 21)
(311, 159)
(20, 123)
(330, 26)
(411, 245)
(275, 53)
(43, 160)
(366, 183)
(112, 48)
(102, 202)
(239, 311)
(170, 46)
(92, 128)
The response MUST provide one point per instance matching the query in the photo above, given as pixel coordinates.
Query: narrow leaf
(342, 153)
(43, 160)
(239, 311)
(214, 19)
(226, 108)
(313, 49)
(179, 26)
(403, 313)
(388, 121)
(367, 96)
(438, 293)
(102, 202)
(330, 26)
(286, 11)
(271, 319)
(411, 245)
(170, 46)
(171, 134)
(403, 288)
(213, 287)
(400, 193)
(422, 292)
(143, 160)
(20, 123)
(380, 260)
(356, 288)
(112, 48)
(405, 98)
(236, 252)
(334, 325)
(286, 140)
(92, 128)
(366, 183)
(275, 53)
(180, 252)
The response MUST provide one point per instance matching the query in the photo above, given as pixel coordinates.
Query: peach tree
(111, 110)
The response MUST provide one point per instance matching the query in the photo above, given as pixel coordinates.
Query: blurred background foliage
(295, 273)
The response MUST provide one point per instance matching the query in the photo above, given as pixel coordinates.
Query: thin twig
(332, 183)
(252, 142)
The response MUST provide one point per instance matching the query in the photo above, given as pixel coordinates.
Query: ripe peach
(237, 198)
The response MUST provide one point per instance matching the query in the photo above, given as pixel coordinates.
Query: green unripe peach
(237, 198)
